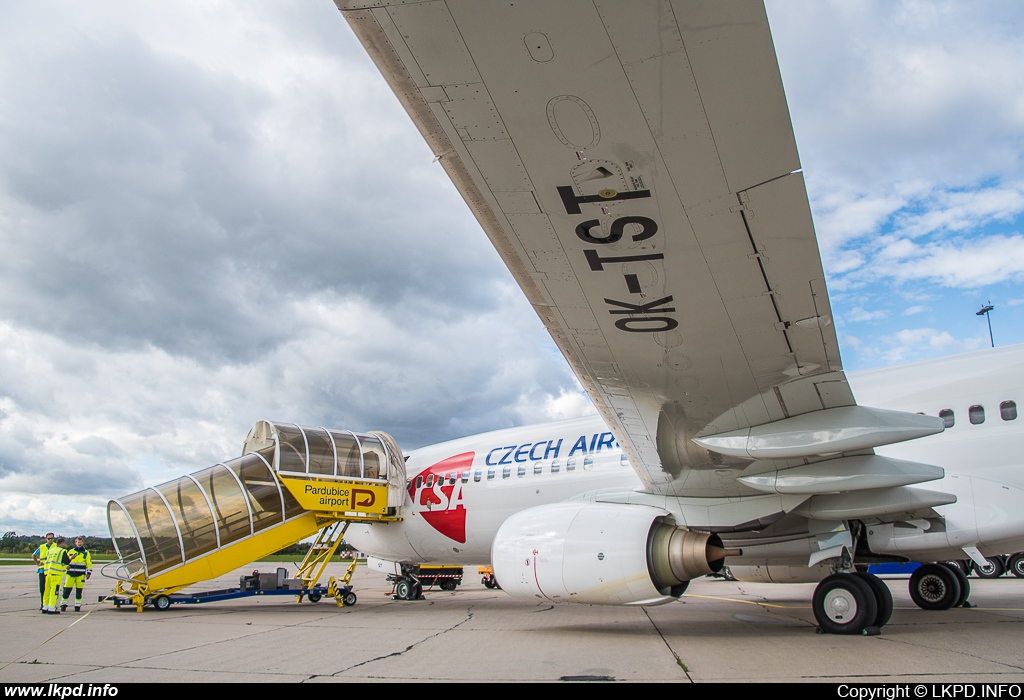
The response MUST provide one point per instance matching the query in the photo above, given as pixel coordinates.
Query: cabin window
(430, 480)
(506, 472)
(976, 414)
(477, 475)
(452, 477)
(490, 473)
(419, 482)
(1008, 410)
(465, 477)
(570, 464)
(588, 463)
(623, 460)
(948, 420)
(538, 468)
(555, 466)
(521, 471)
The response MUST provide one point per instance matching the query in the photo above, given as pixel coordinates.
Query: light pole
(985, 312)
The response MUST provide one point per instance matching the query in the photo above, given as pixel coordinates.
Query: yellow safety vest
(44, 550)
(81, 562)
(54, 561)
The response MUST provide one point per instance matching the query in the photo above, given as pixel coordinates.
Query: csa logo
(438, 500)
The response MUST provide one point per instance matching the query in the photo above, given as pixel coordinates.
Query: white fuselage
(500, 473)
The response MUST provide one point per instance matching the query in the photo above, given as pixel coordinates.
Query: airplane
(635, 167)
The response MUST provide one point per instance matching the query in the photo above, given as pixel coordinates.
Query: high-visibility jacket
(81, 562)
(41, 552)
(57, 561)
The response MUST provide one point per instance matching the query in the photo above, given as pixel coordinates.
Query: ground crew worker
(79, 569)
(39, 557)
(57, 560)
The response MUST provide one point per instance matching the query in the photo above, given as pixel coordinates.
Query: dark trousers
(42, 587)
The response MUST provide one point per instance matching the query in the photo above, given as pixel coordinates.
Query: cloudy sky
(212, 213)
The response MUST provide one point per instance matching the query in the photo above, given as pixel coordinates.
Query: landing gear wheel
(161, 603)
(1016, 565)
(490, 581)
(403, 590)
(965, 584)
(448, 585)
(844, 604)
(313, 597)
(934, 587)
(964, 566)
(883, 597)
(995, 568)
(348, 600)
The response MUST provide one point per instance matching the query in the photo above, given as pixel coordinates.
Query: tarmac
(719, 631)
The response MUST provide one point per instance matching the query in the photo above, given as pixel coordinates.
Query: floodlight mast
(985, 312)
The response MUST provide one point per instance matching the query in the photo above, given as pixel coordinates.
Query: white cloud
(67, 517)
(211, 215)
(842, 216)
(913, 310)
(568, 404)
(910, 340)
(962, 210)
(966, 264)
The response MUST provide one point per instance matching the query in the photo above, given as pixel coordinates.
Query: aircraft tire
(964, 566)
(995, 569)
(844, 604)
(883, 597)
(934, 587)
(1016, 565)
(403, 590)
(965, 583)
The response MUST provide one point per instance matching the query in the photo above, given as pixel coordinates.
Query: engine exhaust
(675, 555)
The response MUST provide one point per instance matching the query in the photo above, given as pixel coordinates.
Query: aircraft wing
(634, 165)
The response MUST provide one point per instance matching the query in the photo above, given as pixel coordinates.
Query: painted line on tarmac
(56, 634)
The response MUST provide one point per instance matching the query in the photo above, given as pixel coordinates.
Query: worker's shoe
(78, 608)
(64, 607)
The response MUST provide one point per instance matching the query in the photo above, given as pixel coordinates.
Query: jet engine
(600, 554)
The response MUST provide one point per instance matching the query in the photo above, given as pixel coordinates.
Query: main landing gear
(861, 603)
(853, 603)
(939, 587)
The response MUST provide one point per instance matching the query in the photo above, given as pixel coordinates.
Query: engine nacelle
(600, 554)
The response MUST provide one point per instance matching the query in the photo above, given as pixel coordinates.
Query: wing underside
(635, 167)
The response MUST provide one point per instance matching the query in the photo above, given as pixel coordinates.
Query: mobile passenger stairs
(290, 483)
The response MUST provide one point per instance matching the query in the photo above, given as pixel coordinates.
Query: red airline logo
(439, 500)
